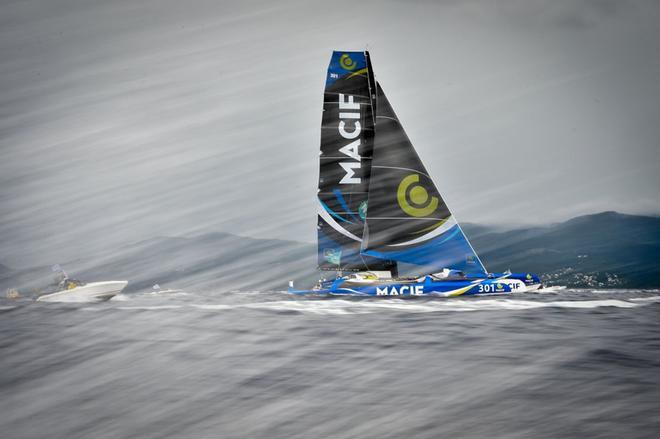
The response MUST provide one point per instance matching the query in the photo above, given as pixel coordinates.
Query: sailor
(65, 283)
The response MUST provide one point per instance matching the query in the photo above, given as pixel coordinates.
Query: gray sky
(122, 120)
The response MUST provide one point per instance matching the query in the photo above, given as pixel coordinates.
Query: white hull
(91, 292)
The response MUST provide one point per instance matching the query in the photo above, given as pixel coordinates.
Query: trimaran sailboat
(378, 207)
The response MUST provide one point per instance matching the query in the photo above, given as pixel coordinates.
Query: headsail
(407, 219)
(347, 132)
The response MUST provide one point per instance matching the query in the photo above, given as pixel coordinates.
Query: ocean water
(212, 364)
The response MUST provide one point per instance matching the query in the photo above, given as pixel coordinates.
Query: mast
(371, 80)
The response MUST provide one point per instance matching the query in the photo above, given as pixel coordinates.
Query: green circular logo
(414, 199)
(346, 62)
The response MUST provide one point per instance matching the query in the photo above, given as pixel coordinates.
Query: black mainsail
(407, 220)
(347, 133)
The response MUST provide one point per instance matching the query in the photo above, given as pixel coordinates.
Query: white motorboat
(89, 292)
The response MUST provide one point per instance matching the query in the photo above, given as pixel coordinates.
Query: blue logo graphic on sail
(345, 65)
(362, 210)
(332, 255)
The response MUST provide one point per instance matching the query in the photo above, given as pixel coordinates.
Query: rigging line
(333, 213)
(345, 193)
(440, 231)
(338, 93)
(363, 261)
(325, 157)
(470, 244)
(402, 169)
(403, 218)
(390, 118)
(342, 201)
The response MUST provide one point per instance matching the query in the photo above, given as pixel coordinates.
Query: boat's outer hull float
(428, 287)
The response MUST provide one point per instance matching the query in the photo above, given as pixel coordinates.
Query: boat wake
(279, 302)
(342, 307)
(282, 302)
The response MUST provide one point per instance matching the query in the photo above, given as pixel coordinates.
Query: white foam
(344, 307)
(335, 307)
(551, 289)
(341, 306)
(450, 305)
(215, 307)
(593, 304)
(618, 290)
(608, 291)
(651, 299)
(150, 307)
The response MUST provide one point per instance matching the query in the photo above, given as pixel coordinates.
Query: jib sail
(347, 133)
(407, 219)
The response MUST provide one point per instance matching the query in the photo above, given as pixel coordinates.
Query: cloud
(122, 121)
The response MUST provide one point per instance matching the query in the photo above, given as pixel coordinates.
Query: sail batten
(403, 169)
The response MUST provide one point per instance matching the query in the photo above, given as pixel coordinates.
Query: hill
(605, 249)
(602, 250)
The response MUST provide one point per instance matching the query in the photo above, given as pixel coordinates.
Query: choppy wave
(619, 290)
(339, 306)
(282, 302)
(343, 306)
(651, 299)
(269, 364)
